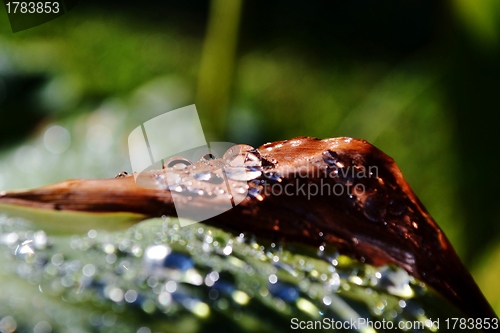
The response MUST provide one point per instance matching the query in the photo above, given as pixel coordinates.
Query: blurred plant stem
(217, 64)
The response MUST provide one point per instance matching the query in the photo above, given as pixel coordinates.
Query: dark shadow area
(473, 88)
(19, 110)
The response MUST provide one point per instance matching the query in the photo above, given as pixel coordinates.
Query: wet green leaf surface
(158, 277)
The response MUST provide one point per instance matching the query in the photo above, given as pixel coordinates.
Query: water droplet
(287, 292)
(178, 261)
(255, 193)
(207, 157)
(227, 250)
(8, 324)
(273, 176)
(374, 207)
(115, 294)
(356, 280)
(109, 248)
(171, 286)
(130, 296)
(240, 189)
(165, 299)
(40, 240)
(155, 255)
(122, 174)
(177, 163)
(9, 238)
(243, 163)
(202, 175)
(208, 177)
(242, 155)
(396, 281)
(25, 248)
(242, 174)
(330, 157)
(178, 189)
(89, 270)
(57, 259)
(291, 270)
(211, 278)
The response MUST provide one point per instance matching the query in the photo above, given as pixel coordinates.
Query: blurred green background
(420, 79)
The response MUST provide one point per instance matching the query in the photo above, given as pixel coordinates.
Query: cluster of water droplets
(362, 183)
(228, 176)
(241, 171)
(148, 277)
